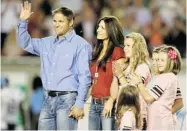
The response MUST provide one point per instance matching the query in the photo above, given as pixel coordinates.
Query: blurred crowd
(161, 22)
(20, 108)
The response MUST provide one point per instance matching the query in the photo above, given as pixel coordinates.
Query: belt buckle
(95, 100)
(98, 101)
(58, 93)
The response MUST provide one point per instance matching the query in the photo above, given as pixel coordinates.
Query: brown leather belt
(99, 100)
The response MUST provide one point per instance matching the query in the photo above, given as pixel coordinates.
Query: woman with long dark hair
(104, 91)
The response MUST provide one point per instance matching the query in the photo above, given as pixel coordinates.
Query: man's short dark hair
(66, 12)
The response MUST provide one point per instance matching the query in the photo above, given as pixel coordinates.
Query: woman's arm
(114, 89)
(113, 96)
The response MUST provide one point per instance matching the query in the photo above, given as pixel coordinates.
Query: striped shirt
(164, 90)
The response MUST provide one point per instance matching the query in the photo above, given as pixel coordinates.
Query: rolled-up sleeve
(159, 88)
(84, 75)
(24, 40)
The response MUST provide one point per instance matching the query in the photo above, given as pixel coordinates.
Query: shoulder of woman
(118, 53)
(117, 49)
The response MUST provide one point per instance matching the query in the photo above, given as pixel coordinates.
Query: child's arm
(177, 105)
(118, 67)
(155, 92)
(144, 92)
(149, 99)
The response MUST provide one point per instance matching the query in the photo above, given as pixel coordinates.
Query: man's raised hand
(25, 11)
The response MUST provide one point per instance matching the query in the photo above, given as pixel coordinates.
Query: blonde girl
(162, 95)
(178, 104)
(136, 52)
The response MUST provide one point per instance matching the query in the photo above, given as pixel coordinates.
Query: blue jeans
(55, 111)
(181, 118)
(97, 121)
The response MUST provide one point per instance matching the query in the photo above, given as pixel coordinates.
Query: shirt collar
(68, 36)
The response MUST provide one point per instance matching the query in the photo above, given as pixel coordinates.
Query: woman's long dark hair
(116, 38)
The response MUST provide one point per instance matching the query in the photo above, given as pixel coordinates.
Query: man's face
(61, 24)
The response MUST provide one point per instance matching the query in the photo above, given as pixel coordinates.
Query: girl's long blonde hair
(129, 100)
(140, 52)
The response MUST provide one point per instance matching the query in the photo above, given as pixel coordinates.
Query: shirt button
(51, 73)
(58, 45)
(48, 82)
(53, 63)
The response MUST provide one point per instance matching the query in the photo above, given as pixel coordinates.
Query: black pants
(144, 124)
(11, 126)
(34, 121)
(3, 38)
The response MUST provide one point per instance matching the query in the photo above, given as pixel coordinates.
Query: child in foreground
(128, 113)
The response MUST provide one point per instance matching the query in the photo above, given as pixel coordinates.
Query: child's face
(128, 47)
(162, 61)
(155, 59)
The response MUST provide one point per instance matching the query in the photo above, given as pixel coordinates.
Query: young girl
(178, 104)
(162, 95)
(136, 52)
(128, 112)
(155, 58)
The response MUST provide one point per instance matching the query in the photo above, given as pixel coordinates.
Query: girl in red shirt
(105, 88)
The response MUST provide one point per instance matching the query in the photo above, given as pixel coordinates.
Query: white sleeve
(127, 121)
